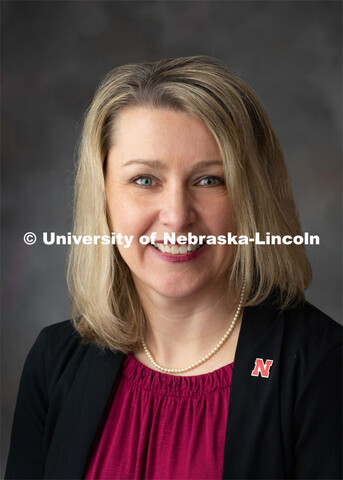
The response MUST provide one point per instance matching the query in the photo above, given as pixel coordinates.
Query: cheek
(228, 219)
(112, 214)
(220, 218)
(228, 224)
(128, 218)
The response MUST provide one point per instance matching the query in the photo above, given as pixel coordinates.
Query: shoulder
(59, 354)
(311, 329)
(306, 313)
(315, 342)
(303, 338)
(58, 334)
(57, 348)
(56, 339)
(312, 325)
(303, 321)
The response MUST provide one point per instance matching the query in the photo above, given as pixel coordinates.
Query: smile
(176, 249)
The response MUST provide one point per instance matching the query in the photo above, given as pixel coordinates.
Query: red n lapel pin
(262, 368)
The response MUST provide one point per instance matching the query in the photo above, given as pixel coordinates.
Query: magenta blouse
(162, 426)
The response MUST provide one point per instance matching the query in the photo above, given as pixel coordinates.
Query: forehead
(162, 132)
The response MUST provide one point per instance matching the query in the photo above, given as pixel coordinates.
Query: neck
(181, 331)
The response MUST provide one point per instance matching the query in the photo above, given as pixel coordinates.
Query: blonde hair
(106, 306)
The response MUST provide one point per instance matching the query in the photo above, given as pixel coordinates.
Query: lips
(176, 249)
(179, 257)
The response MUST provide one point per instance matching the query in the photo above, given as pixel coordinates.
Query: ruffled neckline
(145, 378)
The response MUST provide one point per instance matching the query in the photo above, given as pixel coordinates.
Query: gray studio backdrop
(54, 53)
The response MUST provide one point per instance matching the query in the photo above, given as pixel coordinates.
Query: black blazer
(285, 425)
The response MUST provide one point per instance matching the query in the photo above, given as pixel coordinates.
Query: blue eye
(144, 181)
(211, 181)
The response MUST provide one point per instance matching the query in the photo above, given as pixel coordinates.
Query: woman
(164, 333)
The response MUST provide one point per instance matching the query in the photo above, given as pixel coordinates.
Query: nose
(177, 209)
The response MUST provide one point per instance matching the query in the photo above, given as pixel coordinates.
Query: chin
(180, 289)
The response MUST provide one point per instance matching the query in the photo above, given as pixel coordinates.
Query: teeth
(176, 249)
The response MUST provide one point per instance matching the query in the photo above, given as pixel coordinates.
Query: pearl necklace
(206, 357)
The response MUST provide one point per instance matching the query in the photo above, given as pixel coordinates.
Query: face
(164, 174)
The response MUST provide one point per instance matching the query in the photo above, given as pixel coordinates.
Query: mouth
(176, 249)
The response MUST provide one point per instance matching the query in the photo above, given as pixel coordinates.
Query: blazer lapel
(81, 414)
(254, 400)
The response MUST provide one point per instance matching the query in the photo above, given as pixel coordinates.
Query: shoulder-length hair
(106, 306)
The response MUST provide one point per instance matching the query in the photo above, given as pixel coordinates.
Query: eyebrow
(161, 166)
